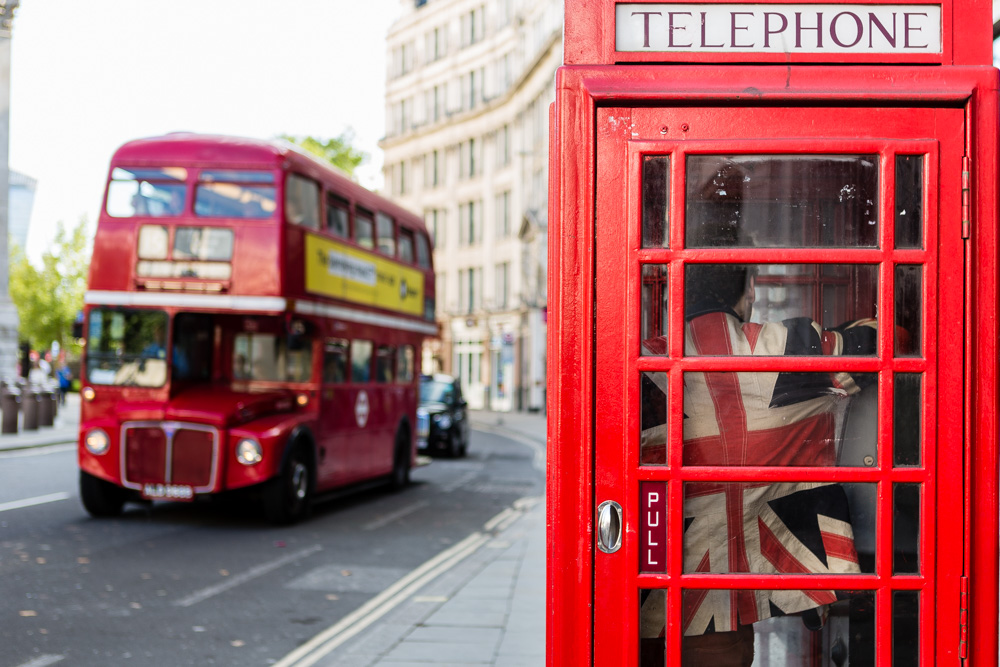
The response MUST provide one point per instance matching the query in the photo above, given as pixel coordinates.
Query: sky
(87, 76)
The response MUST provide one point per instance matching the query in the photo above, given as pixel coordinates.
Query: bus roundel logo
(361, 409)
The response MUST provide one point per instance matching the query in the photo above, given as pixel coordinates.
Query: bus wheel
(401, 461)
(288, 495)
(100, 498)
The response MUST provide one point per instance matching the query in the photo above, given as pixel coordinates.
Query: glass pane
(386, 232)
(781, 528)
(228, 200)
(236, 176)
(144, 198)
(906, 420)
(654, 309)
(337, 217)
(909, 201)
(153, 242)
(653, 527)
(364, 230)
(908, 307)
(205, 243)
(361, 360)
(793, 628)
(653, 416)
(302, 201)
(905, 628)
(770, 419)
(780, 309)
(905, 528)
(782, 201)
(656, 201)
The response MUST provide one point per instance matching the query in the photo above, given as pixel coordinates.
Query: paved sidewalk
(486, 608)
(63, 430)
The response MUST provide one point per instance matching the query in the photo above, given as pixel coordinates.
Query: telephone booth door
(778, 385)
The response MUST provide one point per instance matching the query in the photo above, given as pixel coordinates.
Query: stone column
(8, 313)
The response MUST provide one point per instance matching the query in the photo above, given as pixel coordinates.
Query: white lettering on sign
(778, 28)
(652, 521)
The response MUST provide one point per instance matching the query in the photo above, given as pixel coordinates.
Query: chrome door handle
(609, 526)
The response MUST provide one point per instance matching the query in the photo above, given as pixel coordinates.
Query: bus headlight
(97, 442)
(248, 452)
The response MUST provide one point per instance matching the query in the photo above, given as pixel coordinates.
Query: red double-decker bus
(253, 320)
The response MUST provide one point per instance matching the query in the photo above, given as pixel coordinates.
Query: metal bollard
(46, 412)
(10, 403)
(29, 402)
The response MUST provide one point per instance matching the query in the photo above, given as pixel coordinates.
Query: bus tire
(288, 496)
(401, 460)
(101, 499)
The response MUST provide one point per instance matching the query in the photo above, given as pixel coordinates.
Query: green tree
(337, 151)
(48, 298)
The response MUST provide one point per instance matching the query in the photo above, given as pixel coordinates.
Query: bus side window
(337, 218)
(364, 229)
(335, 362)
(406, 245)
(404, 366)
(384, 361)
(386, 234)
(361, 361)
(423, 252)
(302, 201)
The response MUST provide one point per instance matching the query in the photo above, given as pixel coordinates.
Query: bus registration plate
(168, 492)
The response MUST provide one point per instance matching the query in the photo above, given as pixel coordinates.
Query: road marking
(399, 514)
(461, 481)
(31, 502)
(322, 644)
(40, 450)
(43, 661)
(242, 578)
(538, 460)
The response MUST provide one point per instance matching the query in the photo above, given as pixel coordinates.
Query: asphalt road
(213, 583)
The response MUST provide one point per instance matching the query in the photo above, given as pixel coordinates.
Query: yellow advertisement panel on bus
(340, 271)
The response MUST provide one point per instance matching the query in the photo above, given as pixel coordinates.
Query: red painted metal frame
(573, 263)
(590, 38)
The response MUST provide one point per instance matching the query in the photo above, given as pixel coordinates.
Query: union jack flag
(757, 419)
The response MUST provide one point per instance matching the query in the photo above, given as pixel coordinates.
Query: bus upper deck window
(364, 229)
(423, 252)
(337, 219)
(386, 235)
(302, 201)
(149, 191)
(227, 193)
(406, 245)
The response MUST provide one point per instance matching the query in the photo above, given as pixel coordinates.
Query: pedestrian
(65, 376)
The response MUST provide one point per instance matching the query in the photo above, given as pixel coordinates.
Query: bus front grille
(169, 453)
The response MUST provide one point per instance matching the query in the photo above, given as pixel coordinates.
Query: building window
(503, 146)
(503, 214)
(469, 289)
(470, 224)
(502, 285)
(435, 218)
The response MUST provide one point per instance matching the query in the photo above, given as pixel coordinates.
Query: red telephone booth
(773, 335)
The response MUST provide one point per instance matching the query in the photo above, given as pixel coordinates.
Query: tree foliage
(338, 151)
(48, 298)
